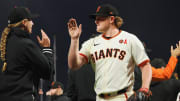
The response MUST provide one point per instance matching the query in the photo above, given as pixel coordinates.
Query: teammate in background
(166, 90)
(22, 62)
(80, 85)
(113, 54)
(56, 93)
(160, 74)
(165, 73)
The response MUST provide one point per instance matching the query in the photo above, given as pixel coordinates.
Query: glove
(143, 94)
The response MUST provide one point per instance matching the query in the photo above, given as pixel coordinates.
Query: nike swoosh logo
(96, 44)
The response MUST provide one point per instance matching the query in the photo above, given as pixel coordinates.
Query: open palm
(44, 41)
(74, 30)
(175, 52)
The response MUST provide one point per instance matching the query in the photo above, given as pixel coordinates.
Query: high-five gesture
(45, 41)
(175, 52)
(74, 30)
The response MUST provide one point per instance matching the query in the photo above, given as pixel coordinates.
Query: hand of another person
(40, 91)
(74, 30)
(61, 92)
(48, 93)
(45, 41)
(175, 52)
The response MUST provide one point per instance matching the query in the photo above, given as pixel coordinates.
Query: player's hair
(118, 21)
(4, 41)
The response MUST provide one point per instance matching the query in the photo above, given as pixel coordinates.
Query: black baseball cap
(19, 13)
(56, 84)
(105, 10)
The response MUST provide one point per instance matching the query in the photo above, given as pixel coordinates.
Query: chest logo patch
(121, 41)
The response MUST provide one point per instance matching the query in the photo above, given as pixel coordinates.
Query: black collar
(19, 32)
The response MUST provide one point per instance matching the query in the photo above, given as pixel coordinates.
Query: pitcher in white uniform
(113, 55)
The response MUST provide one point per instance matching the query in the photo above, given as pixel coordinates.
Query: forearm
(73, 54)
(164, 74)
(49, 55)
(146, 75)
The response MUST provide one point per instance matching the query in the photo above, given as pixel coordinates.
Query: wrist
(145, 86)
(74, 39)
(46, 46)
(143, 89)
(146, 91)
(47, 50)
(174, 55)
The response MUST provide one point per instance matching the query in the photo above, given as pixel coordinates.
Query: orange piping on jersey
(143, 63)
(103, 35)
(126, 96)
(164, 73)
(84, 56)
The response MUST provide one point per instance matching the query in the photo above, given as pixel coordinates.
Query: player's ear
(112, 19)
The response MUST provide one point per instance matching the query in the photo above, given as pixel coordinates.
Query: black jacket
(26, 64)
(81, 84)
(165, 90)
(57, 98)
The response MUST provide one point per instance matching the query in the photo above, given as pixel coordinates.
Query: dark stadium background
(155, 22)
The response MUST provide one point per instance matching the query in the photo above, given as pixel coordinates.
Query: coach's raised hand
(45, 41)
(175, 52)
(74, 29)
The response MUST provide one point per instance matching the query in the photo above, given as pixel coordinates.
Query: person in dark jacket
(164, 90)
(56, 93)
(22, 62)
(80, 85)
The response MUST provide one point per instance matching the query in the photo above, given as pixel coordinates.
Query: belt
(107, 95)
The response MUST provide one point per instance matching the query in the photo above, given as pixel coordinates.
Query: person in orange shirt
(160, 74)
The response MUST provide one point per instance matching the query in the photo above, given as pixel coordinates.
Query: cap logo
(98, 8)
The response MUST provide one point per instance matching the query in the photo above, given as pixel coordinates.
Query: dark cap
(105, 10)
(56, 84)
(158, 62)
(19, 13)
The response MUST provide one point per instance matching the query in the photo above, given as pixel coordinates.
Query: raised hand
(175, 52)
(74, 30)
(45, 41)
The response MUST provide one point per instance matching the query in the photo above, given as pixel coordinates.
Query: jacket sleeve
(164, 74)
(48, 98)
(71, 86)
(41, 61)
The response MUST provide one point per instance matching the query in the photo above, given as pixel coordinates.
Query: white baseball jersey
(114, 60)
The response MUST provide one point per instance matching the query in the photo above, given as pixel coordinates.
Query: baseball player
(113, 54)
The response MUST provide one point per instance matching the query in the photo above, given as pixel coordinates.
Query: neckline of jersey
(103, 35)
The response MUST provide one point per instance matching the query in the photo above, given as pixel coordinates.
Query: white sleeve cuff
(47, 50)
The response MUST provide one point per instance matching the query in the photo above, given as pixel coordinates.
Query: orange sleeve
(164, 74)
